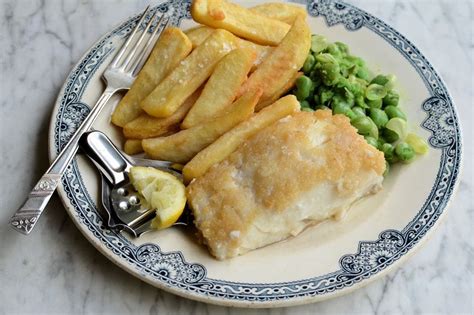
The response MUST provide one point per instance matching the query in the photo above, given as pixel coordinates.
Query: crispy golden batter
(300, 170)
(231, 140)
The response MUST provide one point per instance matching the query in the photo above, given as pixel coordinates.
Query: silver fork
(118, 75)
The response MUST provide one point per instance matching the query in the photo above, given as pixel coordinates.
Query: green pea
(358, 111)
(324, 96)
(365, 126)
(375, 92)
(304, 104)
(328, 70)
(391, 81)
(344, 70)
(340, 108)
(307, 109)
(375, 103)
(393, 112)
(380, 80)
(389, 152)
(363, 73)
(349, 97)
(359, 101)
(390, 135)
(404, 151)
(397, 125)
(342, 47)
(379, 117)
(333, 49)
(309, 64)
(337, 98)
(325, 58)
(318, 43)
(419, 144)
(388, 81)
(303, 87)
(314, 75)
(380, 142)
(312, 89)
(387, 168)
(350, 114)
(372, 141)
(356, 60)
(355, 85)
(391, 99)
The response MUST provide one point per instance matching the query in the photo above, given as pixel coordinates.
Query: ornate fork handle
(26, 217)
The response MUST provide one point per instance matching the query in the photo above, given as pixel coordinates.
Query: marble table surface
(55, 270)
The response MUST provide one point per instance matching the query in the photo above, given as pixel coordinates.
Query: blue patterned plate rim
(170, 271)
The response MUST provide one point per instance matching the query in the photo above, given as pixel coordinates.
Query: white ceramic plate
(330, 259)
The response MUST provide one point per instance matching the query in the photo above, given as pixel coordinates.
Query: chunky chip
(146, 126)
(282, 64)
(172, 47)
(239, 20)
(132, 146)
(221, 88)
(191, 72)
(231, 140)
(184, 145)
(280, 92)
(280, 11)
(197, 35)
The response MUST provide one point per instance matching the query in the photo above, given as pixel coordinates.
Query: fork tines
(135, 51)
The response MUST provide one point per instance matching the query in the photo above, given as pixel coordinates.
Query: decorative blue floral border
(171, 269)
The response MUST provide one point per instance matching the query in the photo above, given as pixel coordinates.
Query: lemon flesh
(161, 191)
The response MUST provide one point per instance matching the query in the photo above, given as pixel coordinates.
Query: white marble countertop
(55, 270)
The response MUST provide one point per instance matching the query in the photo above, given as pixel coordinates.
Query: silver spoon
(120, 199)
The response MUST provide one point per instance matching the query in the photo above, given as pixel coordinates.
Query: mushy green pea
(336, 80)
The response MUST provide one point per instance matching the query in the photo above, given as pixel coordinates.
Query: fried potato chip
(172, 47)
(132, 146)
(280, 11)
(146, 126)
(231, 140)
(282, 64)
(239, 20)
(280, 92)
(222, 87)
(197, 35)
(191, 72)
(182, 146)
(262, 51)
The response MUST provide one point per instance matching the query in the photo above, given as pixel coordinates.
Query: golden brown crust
(270, 172)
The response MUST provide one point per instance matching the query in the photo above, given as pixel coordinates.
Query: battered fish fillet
(299, 171)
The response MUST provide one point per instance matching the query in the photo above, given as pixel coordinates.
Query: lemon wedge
(161, 191)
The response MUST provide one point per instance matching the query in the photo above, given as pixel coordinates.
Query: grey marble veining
(55, 270)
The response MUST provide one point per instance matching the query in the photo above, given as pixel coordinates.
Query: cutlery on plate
(118, 75)
(122, 204)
